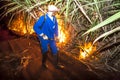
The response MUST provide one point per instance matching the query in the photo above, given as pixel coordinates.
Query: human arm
(56, 28)
(56, 31)
(37, 25)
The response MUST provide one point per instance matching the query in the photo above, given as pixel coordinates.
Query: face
(54, 13)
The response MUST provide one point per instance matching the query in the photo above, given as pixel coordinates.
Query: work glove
(45, 37)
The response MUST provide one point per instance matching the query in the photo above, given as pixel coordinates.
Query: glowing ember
(86, 50)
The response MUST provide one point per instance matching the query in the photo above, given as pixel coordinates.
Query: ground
(20, 59)
(29, 50)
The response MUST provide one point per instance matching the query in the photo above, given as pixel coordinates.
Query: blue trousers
(45, 43)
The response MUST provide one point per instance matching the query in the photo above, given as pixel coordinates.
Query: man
(47, 30)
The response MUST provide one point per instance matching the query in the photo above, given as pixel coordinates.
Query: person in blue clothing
(47, 30)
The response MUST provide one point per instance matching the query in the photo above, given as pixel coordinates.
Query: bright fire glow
(62, 36)
(18, 26)
(62, 32)
(86, 50)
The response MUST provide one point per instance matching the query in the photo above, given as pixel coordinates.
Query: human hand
(44, 36)
(57, 39)
(41, 34)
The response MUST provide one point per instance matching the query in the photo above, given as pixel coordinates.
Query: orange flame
(18, 26)
(86, 50)
(62, 36)
(62, 33)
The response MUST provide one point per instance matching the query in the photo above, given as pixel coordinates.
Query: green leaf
(107, 34)
(105, 22)
(12, 10)
(7, 5)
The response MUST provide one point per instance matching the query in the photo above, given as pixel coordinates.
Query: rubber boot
(44, 59)
(55, 56)
(56, 62)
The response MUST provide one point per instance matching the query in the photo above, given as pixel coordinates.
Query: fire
(62, 36)
(86, 50)
(18, 26)
(62, 33)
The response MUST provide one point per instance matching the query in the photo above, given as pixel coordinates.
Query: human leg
(54, 51)
(53, 47)
(44, 47)
(44, 59)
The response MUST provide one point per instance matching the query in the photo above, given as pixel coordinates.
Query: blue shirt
(49, 28)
